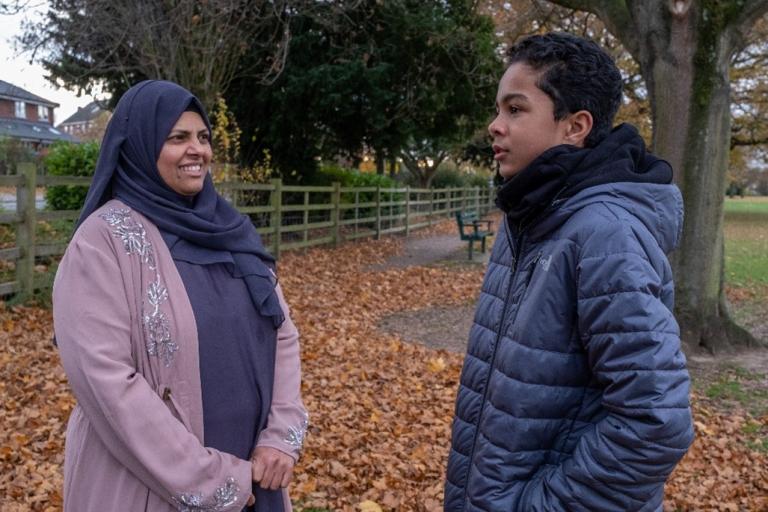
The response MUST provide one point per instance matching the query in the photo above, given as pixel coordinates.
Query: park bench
(470, 229)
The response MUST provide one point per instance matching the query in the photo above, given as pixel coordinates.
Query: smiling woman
(186, 155)
(172, 329)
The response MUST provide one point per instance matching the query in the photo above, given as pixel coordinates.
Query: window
(42, 112)
(21, 110)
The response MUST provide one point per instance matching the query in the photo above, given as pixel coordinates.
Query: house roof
(11, 92)
(87, 113)
(32, 131)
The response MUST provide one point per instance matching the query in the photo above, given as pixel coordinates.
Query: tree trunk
(379, 163)
(686, 70)
(684, 48)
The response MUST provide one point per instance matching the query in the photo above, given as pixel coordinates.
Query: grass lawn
(741, 381)
(746, 242)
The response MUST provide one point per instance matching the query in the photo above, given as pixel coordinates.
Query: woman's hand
(272, 469)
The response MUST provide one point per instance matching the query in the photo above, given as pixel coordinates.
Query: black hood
(563, 171)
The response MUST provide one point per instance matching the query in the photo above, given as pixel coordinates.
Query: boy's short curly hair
(576, 74)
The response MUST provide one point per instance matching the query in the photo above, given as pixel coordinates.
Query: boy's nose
(495, 128)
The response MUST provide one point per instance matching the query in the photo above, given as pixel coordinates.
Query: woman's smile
(186, 155)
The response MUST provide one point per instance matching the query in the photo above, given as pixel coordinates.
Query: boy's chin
(507, 173)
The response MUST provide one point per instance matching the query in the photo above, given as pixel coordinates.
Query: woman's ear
(579, 127)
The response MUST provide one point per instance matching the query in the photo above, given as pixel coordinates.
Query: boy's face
(525, 124)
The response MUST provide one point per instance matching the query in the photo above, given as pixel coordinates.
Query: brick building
(28, 118)
(88, 123)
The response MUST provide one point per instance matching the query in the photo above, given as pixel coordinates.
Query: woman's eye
(205, 138)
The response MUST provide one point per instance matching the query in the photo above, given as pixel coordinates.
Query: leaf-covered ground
(380, 408)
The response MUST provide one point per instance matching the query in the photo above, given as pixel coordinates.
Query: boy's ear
(578, 128)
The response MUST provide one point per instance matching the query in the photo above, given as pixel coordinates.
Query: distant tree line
(399, 81)
(413, 82)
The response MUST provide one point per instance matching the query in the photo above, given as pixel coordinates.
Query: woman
(172, 329)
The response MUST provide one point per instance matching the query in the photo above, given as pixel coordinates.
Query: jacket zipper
(516, 256)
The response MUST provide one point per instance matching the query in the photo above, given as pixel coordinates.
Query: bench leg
(483, 245)
(471, 242)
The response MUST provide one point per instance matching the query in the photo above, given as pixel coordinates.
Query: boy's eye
(513, 109)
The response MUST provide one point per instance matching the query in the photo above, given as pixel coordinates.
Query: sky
(16, 69)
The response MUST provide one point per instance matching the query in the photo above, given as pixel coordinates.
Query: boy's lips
(499, 152)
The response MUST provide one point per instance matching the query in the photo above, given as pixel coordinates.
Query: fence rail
(287, 217)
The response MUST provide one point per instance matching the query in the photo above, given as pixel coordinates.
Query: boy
(574, 391)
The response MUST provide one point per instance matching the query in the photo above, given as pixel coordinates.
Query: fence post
(357, 210)
(277, 215)
(407, 210)
(306, 216)
(477, 200)
(431, 205)
(378, 212)
(491, 196)
(336, 212)
(25, 230)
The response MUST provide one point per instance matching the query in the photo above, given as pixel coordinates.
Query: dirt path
(435, 249)
(444, 328)
(726, 381)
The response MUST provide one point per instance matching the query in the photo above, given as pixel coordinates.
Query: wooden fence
(286, 216)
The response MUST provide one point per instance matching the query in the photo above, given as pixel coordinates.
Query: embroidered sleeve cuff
(230, 496)
(288, 440)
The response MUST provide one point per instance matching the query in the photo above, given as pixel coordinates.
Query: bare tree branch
(615, 15)
(752, 11)
(9, 8)
(196, 44)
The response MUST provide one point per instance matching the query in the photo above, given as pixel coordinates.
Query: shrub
(327, 174)
(481, 180)
(450, 176)
(67, 159)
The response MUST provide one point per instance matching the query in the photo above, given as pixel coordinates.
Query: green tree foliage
(383, 77)
(67, 159)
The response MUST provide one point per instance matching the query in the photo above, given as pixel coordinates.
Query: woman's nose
(195, 147)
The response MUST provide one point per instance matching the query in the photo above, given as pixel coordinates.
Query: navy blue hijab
(203, 229)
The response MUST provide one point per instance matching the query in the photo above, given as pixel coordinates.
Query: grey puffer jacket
(574, 391)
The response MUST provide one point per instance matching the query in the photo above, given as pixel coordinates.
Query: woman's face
(186, 155)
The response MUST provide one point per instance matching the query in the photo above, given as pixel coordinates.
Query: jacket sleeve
(93, 323)
(288, 420)
(624, 301)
